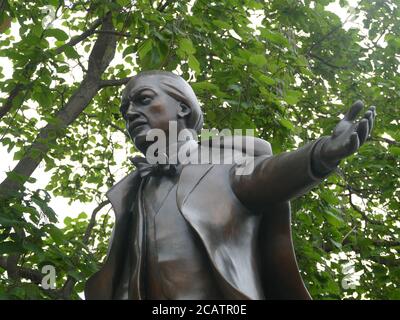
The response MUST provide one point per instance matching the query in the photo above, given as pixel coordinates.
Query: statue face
(150, 107)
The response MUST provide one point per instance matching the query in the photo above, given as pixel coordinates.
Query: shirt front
(176, 264)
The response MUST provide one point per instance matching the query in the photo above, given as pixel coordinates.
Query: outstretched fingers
(354, 110)
(354, 143)
(362, 130)
(364, 127)
(370, 115)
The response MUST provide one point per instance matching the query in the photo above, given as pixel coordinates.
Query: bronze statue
(200, 231)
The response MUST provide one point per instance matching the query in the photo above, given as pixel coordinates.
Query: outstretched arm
(288, 175)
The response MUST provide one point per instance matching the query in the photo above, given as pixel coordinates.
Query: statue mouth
(136, 126)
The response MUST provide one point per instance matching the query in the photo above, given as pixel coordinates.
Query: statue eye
(145, 100)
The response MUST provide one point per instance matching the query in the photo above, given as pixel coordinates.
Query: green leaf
(8, 247)
(394, 150)
(32, 247)
(275, 37)
(82, 215)
(336, 244)
(63, 69)
(266, 80)
(67, 221)
(76, 275)
(16, 177)
(222, 24)
(19, 154)
(204, 86)
(56, 234)
(9, 222)
(194, 64)
(329, 197)
(49, 212)
(145, 48)
(286, 123)
(71, 53)
(37, 30)
(129, 50)
(292, 96)
(259, 60)
(59, 34)
(185, 48)
(333, 219)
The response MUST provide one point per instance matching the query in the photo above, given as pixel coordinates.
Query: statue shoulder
(246, 144)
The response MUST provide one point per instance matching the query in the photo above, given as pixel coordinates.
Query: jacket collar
(121, 195)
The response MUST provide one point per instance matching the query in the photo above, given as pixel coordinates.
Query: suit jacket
(251, 252)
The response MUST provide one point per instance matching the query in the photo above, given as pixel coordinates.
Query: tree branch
(119, 129)
(31, 67)
(365, 217)
(386, 243)
(75, 40)
(33, 275)
(114, 82)
(164, 5)
(69, 284)
(37, 277)
(92, 221)
(7, 105)
(388, 141)
(100, 57)
(327, 35)
(327, 62)
(111, 125)
(387, 261)
(117, 33)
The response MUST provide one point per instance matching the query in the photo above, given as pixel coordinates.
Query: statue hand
(347, 136)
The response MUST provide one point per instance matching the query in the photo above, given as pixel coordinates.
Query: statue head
(152, 99)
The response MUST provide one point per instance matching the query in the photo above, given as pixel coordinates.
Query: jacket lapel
(122, 194)
(102, 284)
(279, 275)
(195, 213)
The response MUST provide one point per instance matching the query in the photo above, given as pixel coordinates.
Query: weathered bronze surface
(200, 231)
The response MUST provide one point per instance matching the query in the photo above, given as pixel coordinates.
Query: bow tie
(156, 169)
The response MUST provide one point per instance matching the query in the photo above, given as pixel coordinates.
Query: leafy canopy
(290, 77)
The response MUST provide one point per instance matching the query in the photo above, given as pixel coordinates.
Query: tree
(290, 78)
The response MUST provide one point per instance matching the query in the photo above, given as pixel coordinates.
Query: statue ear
(183, 110)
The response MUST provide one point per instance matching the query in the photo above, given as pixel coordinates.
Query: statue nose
(132, 115)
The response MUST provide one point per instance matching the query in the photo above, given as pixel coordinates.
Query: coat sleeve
(275, 179)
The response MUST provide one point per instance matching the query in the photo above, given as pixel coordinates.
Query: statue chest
(175, 261)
